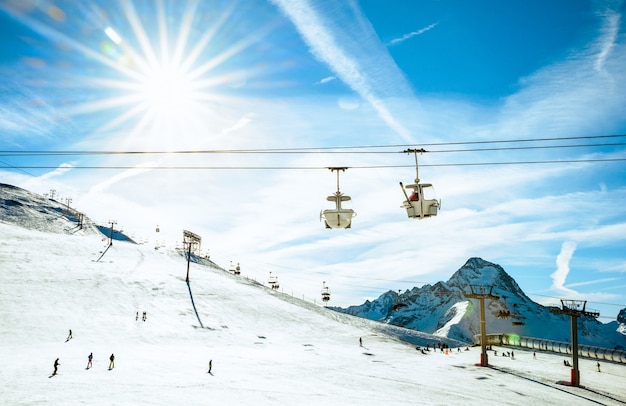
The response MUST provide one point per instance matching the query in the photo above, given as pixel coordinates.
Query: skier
(598, 365)
(210, 366)
(69, 336)
(145, 316)
(360, 342)
(89, 359)
(111, 363)
(136, 316)
(56, 366)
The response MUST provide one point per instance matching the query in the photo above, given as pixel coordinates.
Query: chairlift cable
(333, 149)
(196, 167)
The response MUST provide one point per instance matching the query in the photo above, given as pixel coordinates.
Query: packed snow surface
(266, 347)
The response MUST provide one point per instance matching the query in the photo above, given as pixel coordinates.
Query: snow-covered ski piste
(265, 347)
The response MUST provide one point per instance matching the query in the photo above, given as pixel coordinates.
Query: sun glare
(164, 80)
(152, 74)
(165, 90)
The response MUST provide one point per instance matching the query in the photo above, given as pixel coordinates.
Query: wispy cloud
(102, 186)
(411, 34)
(357, 58)
(326, 80)
(607, 40)
(571, 285)
(241, 123)
(61, 170)
(562, 269)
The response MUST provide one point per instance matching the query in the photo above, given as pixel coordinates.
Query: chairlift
(231, 268)
(518, 318)
(273, 282)
(325, 292)
(421, 203)
(237, 269)
(338, 217)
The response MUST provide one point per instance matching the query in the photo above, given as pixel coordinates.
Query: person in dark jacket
(56, 366)
(112, 361)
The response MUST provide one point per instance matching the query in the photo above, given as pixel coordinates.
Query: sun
(161, 86)
(162, 71)
(166, 90)
(161, 79)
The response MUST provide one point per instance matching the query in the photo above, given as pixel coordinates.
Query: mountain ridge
(443, 309)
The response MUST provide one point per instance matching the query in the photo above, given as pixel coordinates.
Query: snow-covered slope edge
(30, 210)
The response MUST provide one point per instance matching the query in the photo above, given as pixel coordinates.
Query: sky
(265, 347)
(223, 118)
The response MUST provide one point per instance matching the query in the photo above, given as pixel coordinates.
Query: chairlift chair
(421, 203)
(338, 217)
(325, 293)
(273, 282)
(237, 269)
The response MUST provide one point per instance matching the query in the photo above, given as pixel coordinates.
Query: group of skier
(89, 363)
(89, 359)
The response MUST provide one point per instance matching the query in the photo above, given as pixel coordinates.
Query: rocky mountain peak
(477, 271)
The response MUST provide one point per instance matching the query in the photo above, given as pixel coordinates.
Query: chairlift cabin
(422, 202)
(338, 217)
(325, 293)
(273, 282)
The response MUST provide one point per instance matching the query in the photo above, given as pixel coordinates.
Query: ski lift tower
(575, 309)
(191, 241)
(481, 293)
(112, 224)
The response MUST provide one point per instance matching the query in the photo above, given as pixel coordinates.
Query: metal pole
(483, 334)
(575, 374)
(481, 293)
(188, 260)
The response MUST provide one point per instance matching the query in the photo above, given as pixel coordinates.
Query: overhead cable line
(197, 167)
(594, 302)
(295, 151)
(335, 149)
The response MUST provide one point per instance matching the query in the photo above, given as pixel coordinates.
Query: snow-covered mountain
(265, 347)
(36, 212)
(444, 310)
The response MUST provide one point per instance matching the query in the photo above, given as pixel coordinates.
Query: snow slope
(266, 347)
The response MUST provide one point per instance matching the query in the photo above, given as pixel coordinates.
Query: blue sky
(144, 76)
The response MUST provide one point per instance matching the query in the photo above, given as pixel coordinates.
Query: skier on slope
(56, 366)
(89, 359)
(112, 363)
